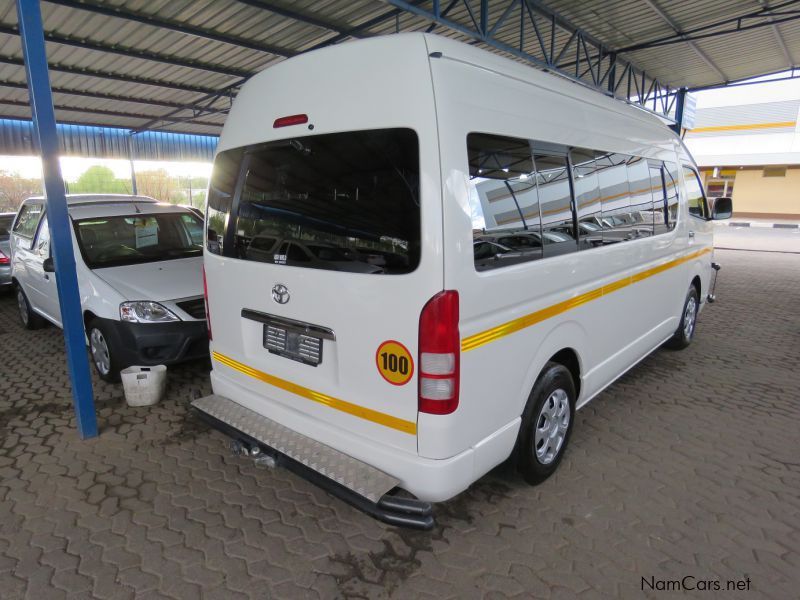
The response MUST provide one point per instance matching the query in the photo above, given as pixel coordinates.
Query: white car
(139, 266)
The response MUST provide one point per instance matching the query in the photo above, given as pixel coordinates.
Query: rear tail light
(3, 258)
(208, 311)
(290, 120)
(439, 354)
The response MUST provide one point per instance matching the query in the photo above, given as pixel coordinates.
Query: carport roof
(176, 64)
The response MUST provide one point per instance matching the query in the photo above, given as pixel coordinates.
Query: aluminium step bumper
(357, 483)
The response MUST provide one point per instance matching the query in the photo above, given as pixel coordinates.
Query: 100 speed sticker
(394, 362)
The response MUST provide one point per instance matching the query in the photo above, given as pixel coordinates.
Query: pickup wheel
(30, 320)
(685, 333)
(103, 352)
(546, 424)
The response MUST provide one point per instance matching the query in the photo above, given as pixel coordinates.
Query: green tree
(99, 180)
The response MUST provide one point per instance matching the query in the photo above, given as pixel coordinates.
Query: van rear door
(317, 273)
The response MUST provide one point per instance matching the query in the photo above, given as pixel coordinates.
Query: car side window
(28, 219)
(42, 244)
(696, 200)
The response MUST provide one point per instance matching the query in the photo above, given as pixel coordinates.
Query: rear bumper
(428, 479)
(150, 344)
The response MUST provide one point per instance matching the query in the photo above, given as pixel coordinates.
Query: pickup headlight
(146, 312)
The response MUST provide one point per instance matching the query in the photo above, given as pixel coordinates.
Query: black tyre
(103, 352)
(546, 424)
(685, 333)
(30, 320)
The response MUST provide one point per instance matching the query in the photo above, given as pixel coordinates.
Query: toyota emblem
(280, 293)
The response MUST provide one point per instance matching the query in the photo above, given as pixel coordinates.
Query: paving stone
(686, 465)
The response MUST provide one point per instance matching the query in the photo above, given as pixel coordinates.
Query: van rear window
(342, 202)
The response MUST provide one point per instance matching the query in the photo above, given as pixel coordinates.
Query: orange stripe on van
(361, 412)
(479, 339)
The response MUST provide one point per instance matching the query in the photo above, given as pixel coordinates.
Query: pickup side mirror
(47, 266)
(722, 209)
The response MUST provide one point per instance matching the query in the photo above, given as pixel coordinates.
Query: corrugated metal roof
(17, 138)
(133, 73)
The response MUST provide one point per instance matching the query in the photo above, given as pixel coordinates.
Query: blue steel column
(680, 101)
(44, 122)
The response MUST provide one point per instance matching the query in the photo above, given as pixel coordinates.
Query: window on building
(774, 172)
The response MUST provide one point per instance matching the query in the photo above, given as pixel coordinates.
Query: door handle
(691, 234)
(47, 277)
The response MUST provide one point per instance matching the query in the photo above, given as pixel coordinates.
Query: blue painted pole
(44, 122)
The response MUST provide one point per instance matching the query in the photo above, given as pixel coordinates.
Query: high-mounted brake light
(208, 310)
(3, 259)
(439, 354)
(290, 120)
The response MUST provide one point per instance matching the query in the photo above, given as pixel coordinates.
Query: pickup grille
(194, 307)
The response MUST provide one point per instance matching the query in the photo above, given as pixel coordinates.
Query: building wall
(757, 196)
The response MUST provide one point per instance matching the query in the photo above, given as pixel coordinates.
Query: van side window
(694, 194)
(659, 197)
(504, 201)
(671, 185)
(555, 198)
(585, 173)
(29, 216)
(616, 197)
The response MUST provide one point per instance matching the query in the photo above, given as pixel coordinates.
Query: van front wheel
(546, 424)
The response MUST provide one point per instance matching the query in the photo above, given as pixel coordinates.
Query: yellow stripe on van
(347, 407)
(479, 339)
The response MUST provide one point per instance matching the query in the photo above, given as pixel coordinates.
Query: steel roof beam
(103, 96)
(177, 26)
(480, 32)
(669, 21)
(129, 52)
(735, 24)
(109, 113)
(303, 18)
(111, 76)
(127, 129)
(779, 37)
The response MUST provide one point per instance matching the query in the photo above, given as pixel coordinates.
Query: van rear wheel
(685, 333)
(546, 424)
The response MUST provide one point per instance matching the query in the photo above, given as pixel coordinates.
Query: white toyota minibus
(422, 259)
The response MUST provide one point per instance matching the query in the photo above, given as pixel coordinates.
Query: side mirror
(722, 209)
(48, 266)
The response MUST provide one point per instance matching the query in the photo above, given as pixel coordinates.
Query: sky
(72, 167)
(770, 91)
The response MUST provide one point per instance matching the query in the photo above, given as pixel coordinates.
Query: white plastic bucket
(144, 386)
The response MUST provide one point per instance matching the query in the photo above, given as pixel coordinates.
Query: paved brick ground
(689, 465)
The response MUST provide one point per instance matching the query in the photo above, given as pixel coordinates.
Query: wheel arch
(565, 344)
